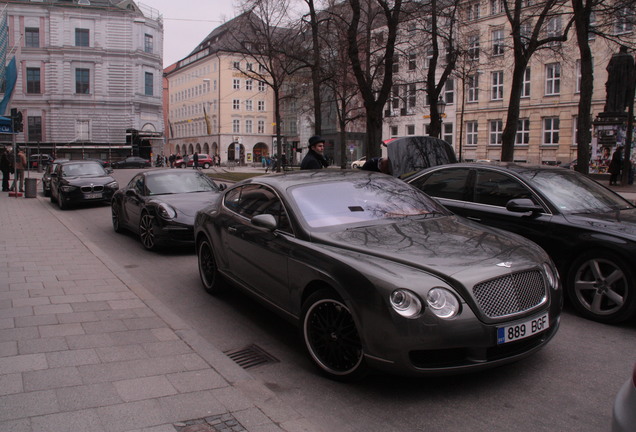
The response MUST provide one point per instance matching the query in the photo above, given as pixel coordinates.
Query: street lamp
(441, 107)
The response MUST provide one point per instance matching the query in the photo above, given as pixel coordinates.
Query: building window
(34, 128)
(261, 105)
(236, 126)
(33, 80)
(497, 42)
(410, 129)
(82, 81)
(396, 64)
(472, 11)
(551, 130)
(449, 91)
(261, 126)
(448, 132)
(553, 29)
(497, 85)
(82, 37)
(236, 65)
(249, 85)
(249, 66)
(236, 84)
(523, 132)
(411, 98)
(525, 86)
(473, 88)
(473, 47)
(495, 7)
(236, 104)
(412, 61)
(32, 37)
(624, 21)
(261, 86)
(148, 45)
(552, 79)
(149, 84)
(248, 105)
(496, 129)
(394, 131)
(471, 133)
(248, 126)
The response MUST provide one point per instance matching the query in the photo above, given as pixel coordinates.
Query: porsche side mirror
(523, 205)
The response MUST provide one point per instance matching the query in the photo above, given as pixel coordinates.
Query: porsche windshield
(361, 200)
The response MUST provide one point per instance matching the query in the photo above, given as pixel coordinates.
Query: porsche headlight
(166, 211)
(406, 303)
(551, 275)
(442, 302)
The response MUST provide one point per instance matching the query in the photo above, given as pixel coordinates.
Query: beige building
(216, 106)
(550, 96)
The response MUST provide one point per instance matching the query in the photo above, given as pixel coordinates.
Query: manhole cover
(218, 423)
(251, 356)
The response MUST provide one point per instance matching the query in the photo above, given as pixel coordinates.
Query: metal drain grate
(251, 356)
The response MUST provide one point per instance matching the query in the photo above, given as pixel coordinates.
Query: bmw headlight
(113, 185)
(166, 211)
(442, 302)
(551, 275)
(406, 303)
(67, 188)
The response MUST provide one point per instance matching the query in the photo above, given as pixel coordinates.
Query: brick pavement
(83, 346)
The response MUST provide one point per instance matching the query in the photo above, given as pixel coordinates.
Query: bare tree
(534, 26)
(371, 62)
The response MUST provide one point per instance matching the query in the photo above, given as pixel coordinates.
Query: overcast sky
(187, 22)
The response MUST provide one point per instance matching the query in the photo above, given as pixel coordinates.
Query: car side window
(497, 189)
(253, 200)
(445, 183)
(137, 184)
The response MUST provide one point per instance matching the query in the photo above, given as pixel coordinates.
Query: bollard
(30, 187)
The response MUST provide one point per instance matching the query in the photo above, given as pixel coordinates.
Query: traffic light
(16, 118)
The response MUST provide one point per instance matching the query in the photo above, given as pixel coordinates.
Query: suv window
(497, 189)
(445, 183)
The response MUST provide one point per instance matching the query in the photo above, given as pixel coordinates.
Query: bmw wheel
(60, 202)
(331, 337)
(208, 270)
(601, 287)
(147, 231)
(116, 218)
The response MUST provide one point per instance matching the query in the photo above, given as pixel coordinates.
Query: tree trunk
(509, 135)
(584, 120)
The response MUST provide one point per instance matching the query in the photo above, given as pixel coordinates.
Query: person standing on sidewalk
(615, 166)
(314, 159)
(20, 165)
(5, 167)
(195, 160)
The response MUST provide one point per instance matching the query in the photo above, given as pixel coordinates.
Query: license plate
(515, 332)
(93, 195)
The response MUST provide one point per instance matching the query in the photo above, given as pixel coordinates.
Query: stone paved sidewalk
(85, 347)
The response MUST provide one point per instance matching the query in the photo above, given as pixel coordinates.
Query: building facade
(216, 106)
(89, 77)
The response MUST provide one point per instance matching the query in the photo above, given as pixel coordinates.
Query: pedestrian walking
(615, 166)
(20, 166)
(6, 163)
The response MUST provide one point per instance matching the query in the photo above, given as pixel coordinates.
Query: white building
(89, 76)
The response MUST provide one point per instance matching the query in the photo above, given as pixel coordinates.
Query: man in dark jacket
(314, 159)
(5, 167)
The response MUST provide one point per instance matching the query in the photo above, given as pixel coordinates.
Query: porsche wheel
(602, 287)
(208, 270)
(331, 337)
(147, 231)
(116, 218)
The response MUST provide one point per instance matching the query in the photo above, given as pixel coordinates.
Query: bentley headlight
(166, 211)
(406, 303)
(443, 303)
(551, 275)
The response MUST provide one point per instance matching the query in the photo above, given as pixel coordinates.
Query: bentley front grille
(511, 294)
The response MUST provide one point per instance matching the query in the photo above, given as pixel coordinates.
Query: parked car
(205, 161)
(358, 163)
(104, 163)
(46, 176)
(79, 181)
(131, 162)
(624, 412)
(160, 205)
(41, 159)
(570, 165)
(378, 274)
(587, 229)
